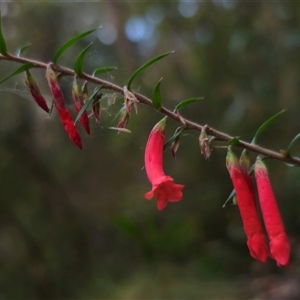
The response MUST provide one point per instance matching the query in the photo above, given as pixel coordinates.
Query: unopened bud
(31, 83)
(129, 99)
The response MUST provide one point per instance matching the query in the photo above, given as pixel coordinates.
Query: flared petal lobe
(163, 187)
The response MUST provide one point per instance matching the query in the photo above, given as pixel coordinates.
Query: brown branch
(218, 135)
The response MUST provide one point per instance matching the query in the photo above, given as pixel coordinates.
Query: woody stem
(218, 135)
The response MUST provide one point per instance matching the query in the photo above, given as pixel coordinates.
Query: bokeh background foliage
(74, 224)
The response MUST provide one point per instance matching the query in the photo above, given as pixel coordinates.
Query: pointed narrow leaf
(234, 141)
(21, 69)
(3, 49)
(145, 66)
(265, 125)
(186, 103)
(156, 96)
(229, 199)
(70, 43)
(22, 49)
(120, 129)
(103, 70)
(87, 103)
(80, 60)
(173, 138)
(288, 150)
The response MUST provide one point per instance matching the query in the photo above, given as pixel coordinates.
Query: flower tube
(162, 185)
(256, 241)
(279, 245)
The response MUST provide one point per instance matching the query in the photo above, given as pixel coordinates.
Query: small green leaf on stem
(234, 141)
(87, 103)
(265, 125)
(22, 49)
(288, 150)
(80, 60)
(69, 43)
(3, 49)
(145, 66)
(156, 96)
(173, 137)
(21, 69)
(103, 70)
(185, 103)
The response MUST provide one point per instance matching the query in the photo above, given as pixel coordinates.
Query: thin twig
(218, 135)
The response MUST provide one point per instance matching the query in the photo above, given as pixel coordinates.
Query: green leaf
(156, 96)
(3, 49)
(145, 66)
(288, 150)
(80, 60)
(234, 141)
(22, 49)
(87, 103)
(21, 69)
(173, 137)
(70, 43)
(186, 103)
(102, 70)
(265, 125)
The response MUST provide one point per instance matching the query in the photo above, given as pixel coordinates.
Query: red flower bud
(255, 238)
(78, 103)
(35, 92)
(279, 245)
(62, 110)
(162, 186)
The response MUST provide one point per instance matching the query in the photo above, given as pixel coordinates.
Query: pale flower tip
(161, 125)
(260, 166)
(231, 159)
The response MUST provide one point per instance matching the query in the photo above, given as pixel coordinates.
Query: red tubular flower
(62, 110)
(35, 92)
(279, 245)
(162, 186)
(256, 241)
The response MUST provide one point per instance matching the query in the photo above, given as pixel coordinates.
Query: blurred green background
(74, 224)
